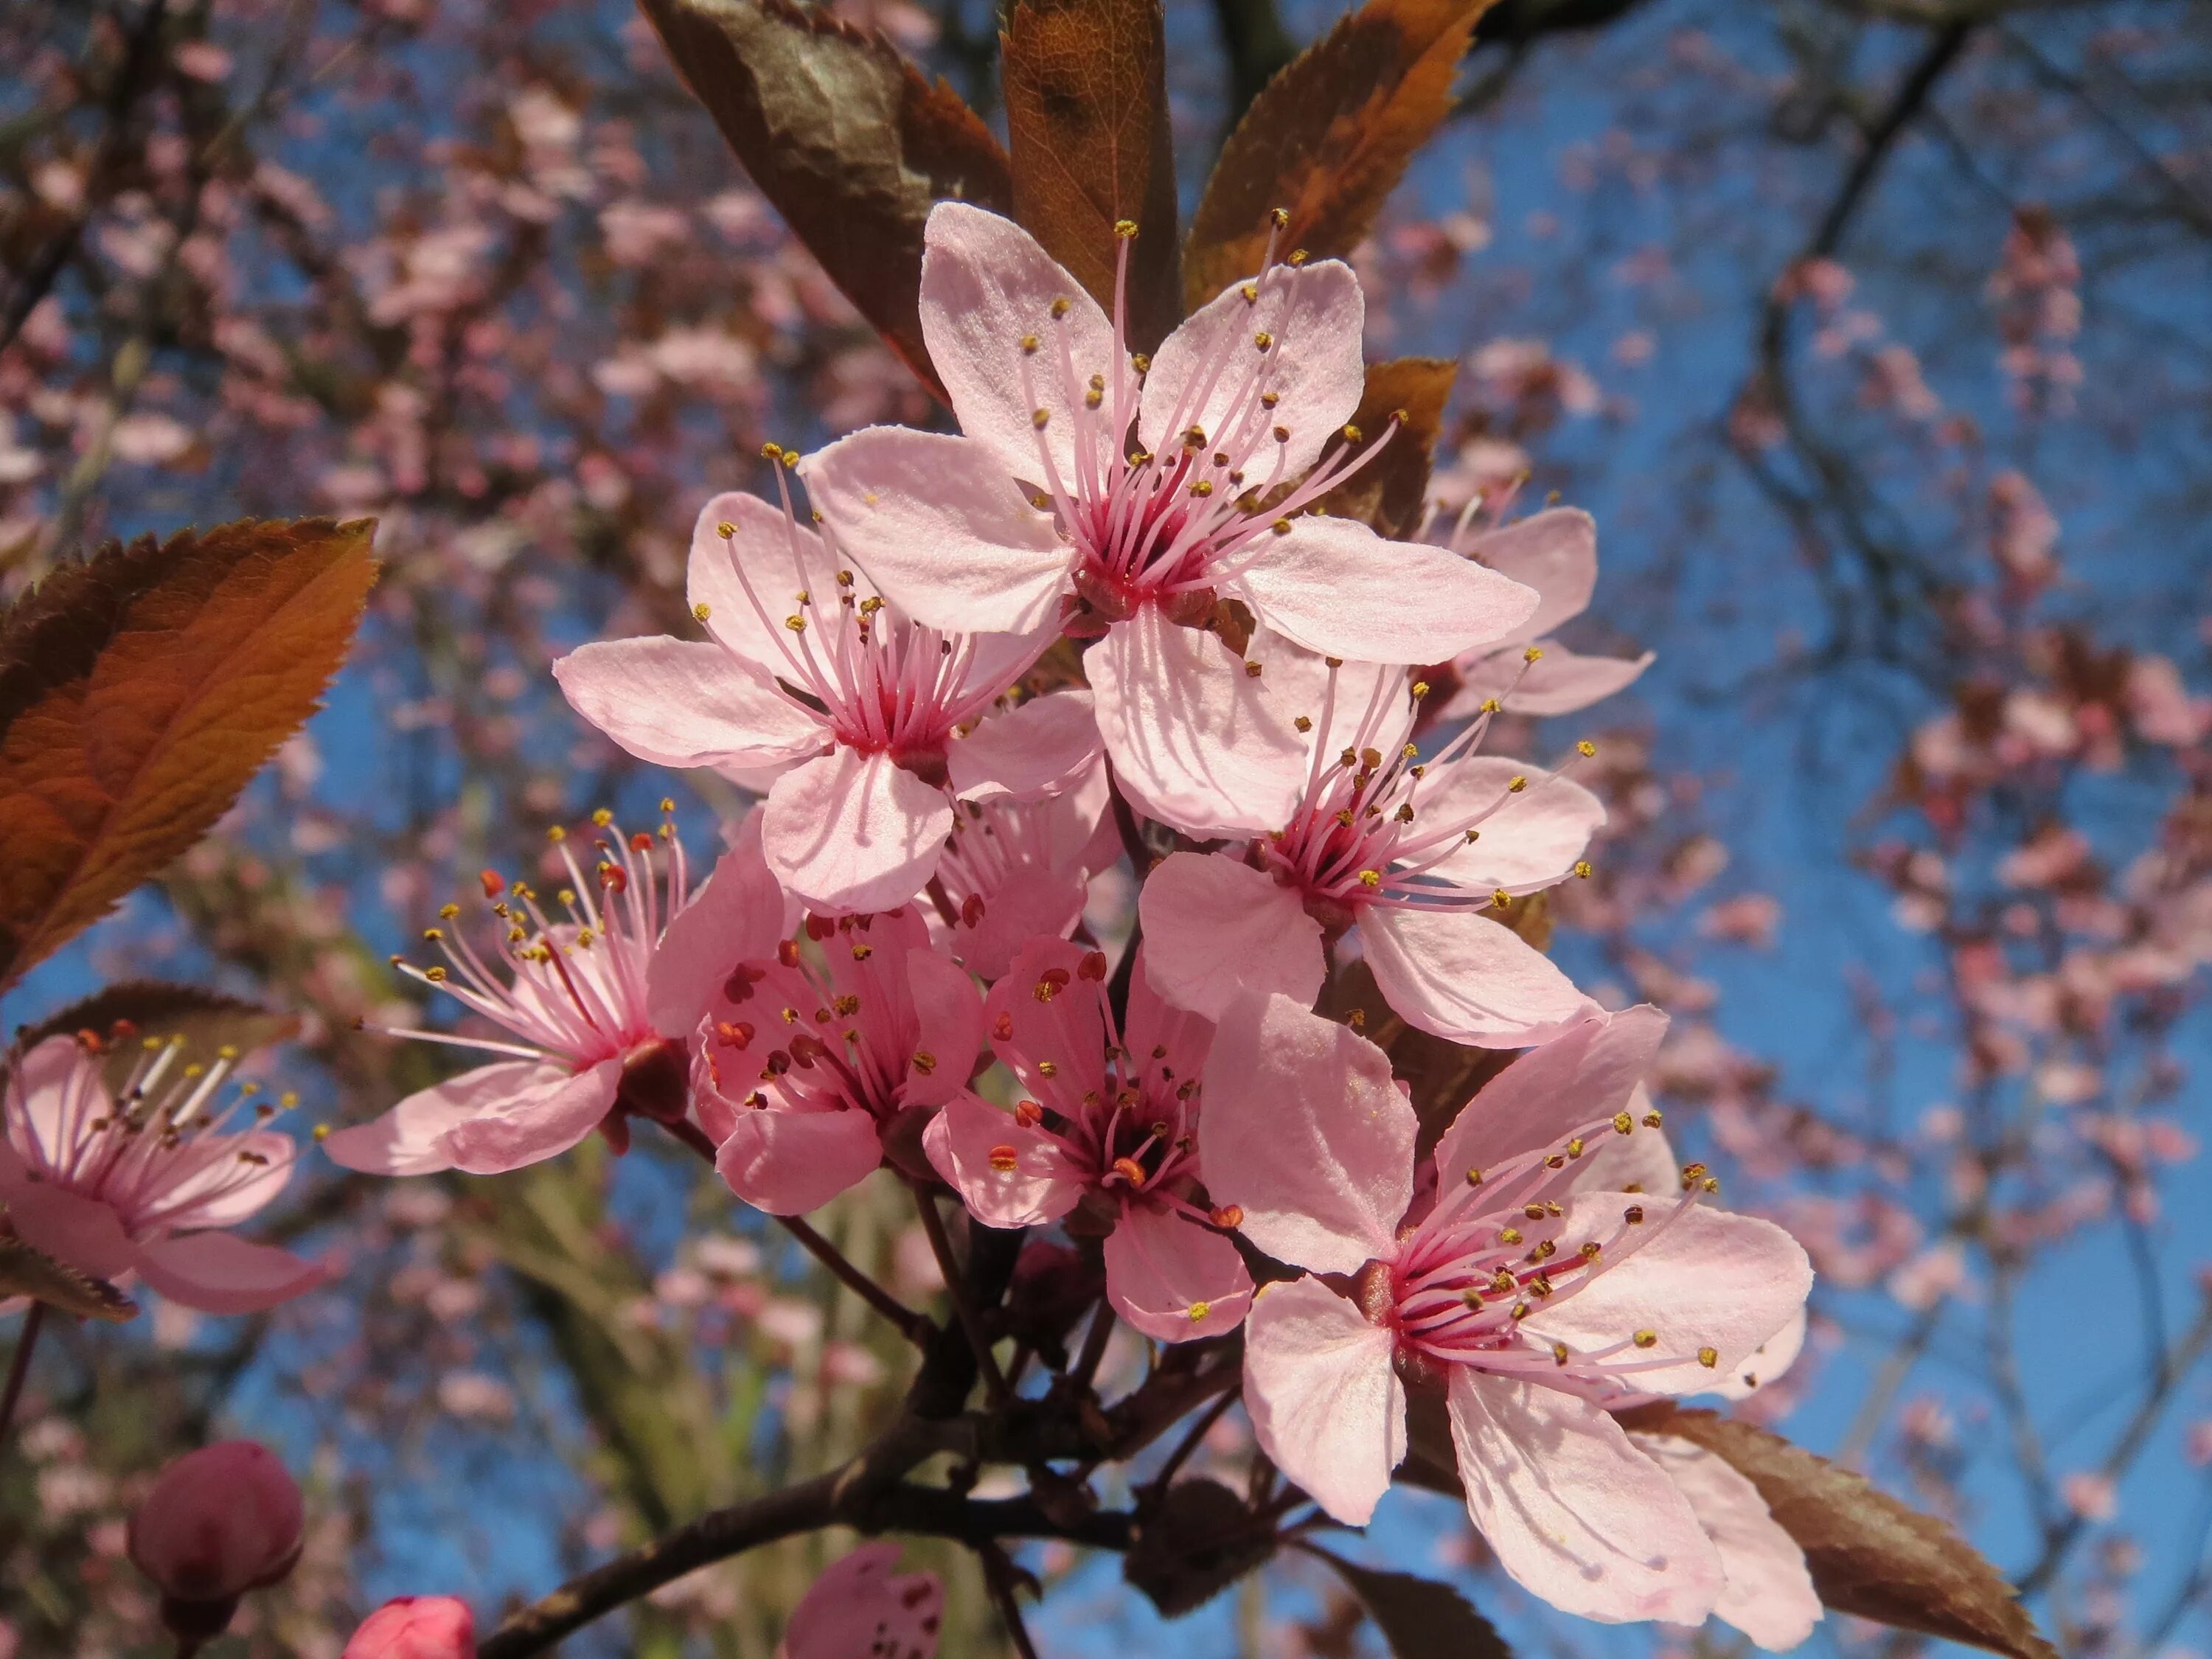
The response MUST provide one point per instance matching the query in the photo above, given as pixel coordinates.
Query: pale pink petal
(1305, 1131)
(1584, 1075)
(948, 1011)
(1194, 741)
(1559, 682)
(1333, 586)
(216, 1180)
(971, 1139)
(857, 1609)
(1155, 1024)
(1575, 1513)
(530, 1127)
(986, 286)
(850, 832)
(1555, 552)
(1037, 749)
(1642, 1161)
(685, 703)
(1768, 1594)
(787, 1163)
(1324, 1398)
(56, 1094)
(1172, 1279)
(780, 556)
(223, 1273)
(1215, 927)
(1313, 316)
(84, 1232)
(1529, 841)
(1708, 1279)
(410, 1139)
(1051, 1022)
(741, 912)
(1029, 902)
(948, 536)
(1763, 1364)
(1456, 974)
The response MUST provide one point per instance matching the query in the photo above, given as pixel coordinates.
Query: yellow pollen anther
(1508, 1235)
(1351, 435)
(1623, 1124)
(1304, 723)
(432, 935)
(702, 610)
(797, 624)
(1203, 487)
(1652, 1120)
(601, 817)
(1061, 308)
(1490, 705)
(1198, 1311)
(1560, 1353)
(1575, 1147)
(1029, 343)
(322, 1132)
(1583, 867)
(725, 530)
(1371, 878)
(435, 975)
(1520, 1310)
(1279, 217)
(1646, 1339)
(449, 911)
(1532, 654)
(1586, 748)
(1475, 1177)
(1250, 291)
(1591, 1251)
(555, 834)
(1709, 1358)
(1281, 526)
(1040, 418)
(1502, 899)
(1516, 785)
(1124, 228)
(1142, 362)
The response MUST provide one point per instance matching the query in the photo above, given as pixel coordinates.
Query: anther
(1645, 1339)
(1124, 228)
(1533, 654)
(725, 530)
(1516, 785)
(1586, 748)
(1229, 1216)
(1040, 418)
(1004, 1159)
(1061, 308)
(1583, 867)
(1351, 435)
(1263, 339)
(1623, 1124)
(1303, 723)
(1559, 1353)
(1633, 1215)
(701, 611)
(1709, 1358)
(1029, 343)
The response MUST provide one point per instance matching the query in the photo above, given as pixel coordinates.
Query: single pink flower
(1013, 870)
(1422, 856)
(814, 1047)
(599, 1007)
(1525, 671)
(218, 1522)
(1110, 1134)
(858, 1609)
(146, 1183)
(1533, 1306)
(416, 1627)
(1122, 495)
(871, 727)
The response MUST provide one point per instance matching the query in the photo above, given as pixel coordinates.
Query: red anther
(820, 927)
(1092, 967)
(494, 883)
(124, 1030)
(743, 978)
(1130, 1170)
(805, 1049)
(1229, 1216)
(1004, 1159)
(1003, 1028)
(614, 878)
(971, 910)
(734, 1033)
(1028, 1114)
(640, 842)
(89, 1041)
(1050, 984)
(786, 951)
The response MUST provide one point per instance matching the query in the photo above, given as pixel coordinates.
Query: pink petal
(212, 1183)
(1315, 314)
(779, 557)
(1154, 1023)
(1768, 1594)
(741, 912)
(1555, 552)
(857, 1608)
(849, 832)
(949, 1014)
(1172, 1279)
(1325, 1400)
(1574, 1511)
(1215, 927)
(410, 1139)
(1559, 682)
(1708, 1279)
(1639, 1162)
(787, 1163)
(222, 1273)
(56, 1093)
(1303, 1130)
(1587, 1074)
(1029, 902)
(531, 1127)
(1194, 741)
(985, 286)
(1059, 1024)
(1037, 749)
(1528, 843)
(685, 703)
(1457, 974)
(1043, 1186)
(1336, 586)
(84, 1232)
(1771, 1359)
(945, 531)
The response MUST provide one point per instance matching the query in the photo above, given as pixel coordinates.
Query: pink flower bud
(416, 1627)
(219, 1522)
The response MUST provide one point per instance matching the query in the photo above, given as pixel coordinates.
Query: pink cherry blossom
(1120, 494)
(1012, 870)
(815, 1046)
(1107, 1142)
(1528, 673)
(145, 1182)
(1422, 856)
(218, 1522)
(416, 1627)
(599, 1007)
(1533, 1307)
(858, 1607)
(873, 727)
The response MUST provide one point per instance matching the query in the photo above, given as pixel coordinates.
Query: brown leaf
(141, 689)
(1390, 492)
(1329, 138)
(849, 141)
(1087, 128)
(208, 1021)
(1420, 1618)
(26, 1271)
(1869, 1555)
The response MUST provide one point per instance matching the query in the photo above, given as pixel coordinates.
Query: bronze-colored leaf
(1869, 1555)
(141, 689)
(1087, 132)
(1420, 1618)
(1329, 138)
(208, 1021)
(1390, 492)
(26, 1271)
(1202, 1539)
(849, 141)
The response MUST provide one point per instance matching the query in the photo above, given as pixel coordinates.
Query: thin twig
(948, 1267)
(915, 1327)
(19, 1368)
(1190, 1443)
(999, 1574)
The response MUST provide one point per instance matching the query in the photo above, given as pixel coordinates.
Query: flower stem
(948, 1265)
(19, 1368)
(915, 1327)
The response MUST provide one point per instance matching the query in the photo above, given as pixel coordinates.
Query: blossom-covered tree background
(1873, 335)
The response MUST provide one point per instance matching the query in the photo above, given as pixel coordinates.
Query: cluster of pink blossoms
(890, 967)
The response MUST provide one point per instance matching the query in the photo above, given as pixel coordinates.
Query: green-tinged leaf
(849, 141)
(1869, 1555)
(1329, 138)
(1420, 1618)
(1202, 1539)
(141, 689)
(154, 1011)
(26, 1271)
(1390, 492)
(1087, 132)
